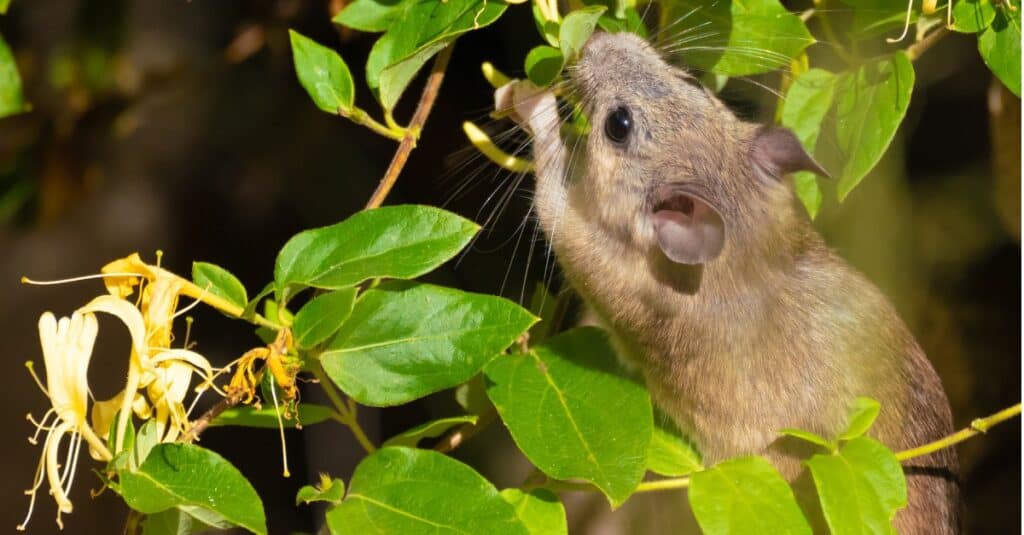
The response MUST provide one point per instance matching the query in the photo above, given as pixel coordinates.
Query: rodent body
(679, 233)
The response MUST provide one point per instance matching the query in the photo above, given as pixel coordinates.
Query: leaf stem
(977, 427)
(646, 486)
(358, 116)
(412, 132)
(344, 415)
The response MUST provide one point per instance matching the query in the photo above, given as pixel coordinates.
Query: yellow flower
(67, 347)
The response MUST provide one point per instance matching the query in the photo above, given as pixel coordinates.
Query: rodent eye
(618, 124)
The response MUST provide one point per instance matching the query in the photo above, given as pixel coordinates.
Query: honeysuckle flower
(67, 347)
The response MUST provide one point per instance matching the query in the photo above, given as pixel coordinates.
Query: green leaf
(556, 401)
(973, 16)
(432, 429)
(576, 29)
(864, 412)
(145, 440)
(400, 242)
(178, 521)
(547, 28)
(999, 46)
(543, 65)
(254, 303)
(266, 417)
(871, 18)
(745, 495)
(670, 454)
(632, 23)
(472, 396)
(4, 4)
(220, 282)
(807, 102)
(808, 436)
(369, 15)
(323, 74)
(539, 510)
(860, 488)
(423, 29)
(12, 101)
(403, 490)
(178, 474)
(321, 317)
(740, 38)
(870, 105)
(406, 340)
(327, 490)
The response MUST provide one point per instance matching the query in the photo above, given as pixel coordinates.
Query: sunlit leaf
(807, 102)
(576, 28)
(670, 454)
(431, 429)
(323, 74)
(543, 65)
(539, 510)
(220, 282)
(321, 317)
(745, 495)
(369, 15)
(973, 16)
(999, 45)
(862, 416)
(326, 490)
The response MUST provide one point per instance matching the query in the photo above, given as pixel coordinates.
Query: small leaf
(401, 242)
(323, 74)
(870, 105)
(864, 412)
(576, 29)
(539, 510)
(404, 490)
(321, 317)
(145, 440)
(670, 454)
(999, 45)
(745, 495)
(632, 23)
(556, 402)
(808, 436)
(973, 16)
(406, 340)
(220, 282)
(254, 303)
(369, 15)
(547, 28)
(860, 488)
(178, 474)
(12, 101)
(327, 490)
(807, 102)
(433, 429)
(177, 521)
(543, 65)
(472, 396)
(266, 417)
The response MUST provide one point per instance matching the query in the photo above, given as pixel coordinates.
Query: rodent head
(667, 165)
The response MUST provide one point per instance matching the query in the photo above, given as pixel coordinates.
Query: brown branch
(412, 133)
(204, 421)
(915, 50)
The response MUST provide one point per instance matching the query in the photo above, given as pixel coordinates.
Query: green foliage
(999, 45)
(556, 399)
(197, 480)
(327, 490)
(322, 316)
(432, 429)
(266, 417)
(220, 282)
(745, 495)
(670, 454)
(576, 29)
(807, 102)
(539, 510)
(406, 340)
(12, 100)
(401, 242)
(544, 64)
(323, 74)
(403, 490)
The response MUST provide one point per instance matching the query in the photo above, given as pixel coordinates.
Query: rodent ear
(689, 230)
(779, 152)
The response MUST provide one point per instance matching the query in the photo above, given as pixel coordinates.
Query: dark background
(181, 127)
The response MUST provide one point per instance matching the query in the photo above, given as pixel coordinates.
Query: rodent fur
(776, 331)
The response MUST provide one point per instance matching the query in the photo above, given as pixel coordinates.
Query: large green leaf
(544, 64)
(220, 282)
(973, 16)
(576, 29)
(266, 417)
(861, 487)
(406, 340)
(369, 15)
(323, 74)
(185, 475)
(807, 102)
(999, 46)
(670, 454)
(321, 317)
(431, 429)
(571, 412)
(539, 510)
(745, 495)
(422, 29)
(403, 490)
(737, 38)
(12, 100)
(870, 104)
(401, 242)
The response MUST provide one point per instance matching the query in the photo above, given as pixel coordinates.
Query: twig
(412, 133)
(918, 48)
(977, 427)
(213, 412)
(344, 415)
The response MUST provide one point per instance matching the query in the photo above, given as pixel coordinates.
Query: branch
(419, 117)
(918, 48)
(977, 427)
(203, 421)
